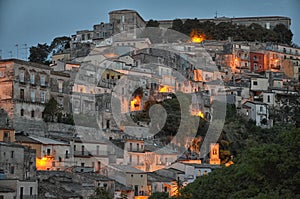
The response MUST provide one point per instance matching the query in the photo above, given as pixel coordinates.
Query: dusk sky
(39, 21)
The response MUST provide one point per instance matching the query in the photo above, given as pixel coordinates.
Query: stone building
(26, 89)
(61, 88)
(17, 161)
(125, 20)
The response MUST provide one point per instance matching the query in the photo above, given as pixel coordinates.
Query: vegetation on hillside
(224, 30)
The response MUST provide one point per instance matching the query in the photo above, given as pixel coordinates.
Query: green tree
(51, 110)
(264, 168)
(152, 23)
(59, 44)
(39, 54)
(42, 52)
(159, 195)
(177, 25)
(285, 35)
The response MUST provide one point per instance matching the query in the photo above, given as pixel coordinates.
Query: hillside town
(78, 124)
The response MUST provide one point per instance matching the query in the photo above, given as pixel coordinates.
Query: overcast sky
(39, 21)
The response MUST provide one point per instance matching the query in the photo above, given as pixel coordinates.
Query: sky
(29, 22)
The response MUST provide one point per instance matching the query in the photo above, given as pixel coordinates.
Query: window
(99, 165)
(119, 76)
(31, 191)
(98, 150)
(138, 160)
(60, 101)
(67, 154)
(60, 86)
(32, 78)
(130, 158)
(6, 134)
(48, 151)
(43, 80)
(43, 94)
(137, 147)
(32, 113)
(32, 95)
(255, 83)
(22, 112)
(12, 154)
(21, 192)
(261, 108)
(82, 150)
(107, 106)
(22, 94)
(21, 76)
(107, 124)
(130, 146)
(107, 76)
(268, 98)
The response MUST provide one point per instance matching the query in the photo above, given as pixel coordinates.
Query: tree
(177, 25)
(42, 52)
(60, 43)
(39, 53)
(285, 35)
(152, 23)
(100, 193)
(159, 195)
(264, 168)
(51, 110)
